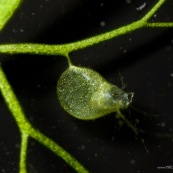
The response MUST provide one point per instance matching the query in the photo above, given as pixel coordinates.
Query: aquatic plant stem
(65, 49)
(7, 8)
(23, 152)
(27, 130)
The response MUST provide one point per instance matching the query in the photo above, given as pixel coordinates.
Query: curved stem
(55, 148)
(27, 130)
(7, 7)
(153, 10)
(65, 49)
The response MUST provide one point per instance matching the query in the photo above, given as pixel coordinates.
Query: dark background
(143, 58)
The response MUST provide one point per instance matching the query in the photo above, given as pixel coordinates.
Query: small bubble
(171, 74)
(102, 23)
(33, 13)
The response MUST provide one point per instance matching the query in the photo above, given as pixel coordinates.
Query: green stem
(12, 102)
(65, 49)
(51, 145)
(27, 130)
(159, 24)
(7, 8)
(153, 10)
(23, 152)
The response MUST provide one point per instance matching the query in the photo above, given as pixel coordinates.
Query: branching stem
(7, 8)
(65, 49)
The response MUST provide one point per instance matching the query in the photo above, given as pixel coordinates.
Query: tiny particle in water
(14, 30)
(130, 39)
(170, 129)
(128, 1)
(125, 51)
(53, 127)
(83, 147)
(140, 8)
(101, 5)
(96, 155)
(163, 124)
(132, 161)
(3, 170)
(21, 30)
(17, 145)
(38, 86)
(7, 153)
(102, 23)
(158, 146)
(169, 84)
(171, 74)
